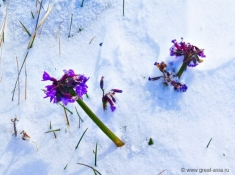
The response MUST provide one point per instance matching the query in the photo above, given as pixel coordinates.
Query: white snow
(180, 124)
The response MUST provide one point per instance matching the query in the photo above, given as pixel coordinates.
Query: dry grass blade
(208, 143)
(65, 167)
(39, 25)
(66, 108)
(58, 37)
(59, 46)
(35, 145)
(38, 13)
(70, 25)
(55, 130)
(90, 167)
(79, 117)
(66, 116)
(18, 81)
(18, 76)
(96, 154)
(54, 135)
(161, 172)
(2, 33)
(25, 90)
(32, 14)
(45, 17)
(92, 39)
(1, 79)
(39, 3)
(81, 138)
(3, 28)
(24, 28)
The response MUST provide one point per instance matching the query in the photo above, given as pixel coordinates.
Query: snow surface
(180, 124)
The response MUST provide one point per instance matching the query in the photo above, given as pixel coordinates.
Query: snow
(180, 124)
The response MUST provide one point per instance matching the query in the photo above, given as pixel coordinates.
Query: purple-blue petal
(46, 76)
(112, 108)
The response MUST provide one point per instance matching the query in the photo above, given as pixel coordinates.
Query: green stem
(81, 138)
(96, 154)
(25, 28)
(82, 3)
(181, 70)
(100, 124)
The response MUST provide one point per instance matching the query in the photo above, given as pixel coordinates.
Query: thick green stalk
(181, 70)
(100, 124)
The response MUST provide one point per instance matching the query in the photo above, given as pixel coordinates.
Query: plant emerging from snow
(70, 88)
(169, 78)
(191, 58)
(108, 97)
(190, 53)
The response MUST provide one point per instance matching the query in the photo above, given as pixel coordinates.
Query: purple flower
(178, 86)
(46, 77)
(190, 52)
(183, 88)
(68, 89)
(154, 78)
(117, 90)
(112, 108)
(81, 90)
(110, 99)
(70, 72)
(102, 82)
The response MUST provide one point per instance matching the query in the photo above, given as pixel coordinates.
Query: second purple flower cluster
(108, 97)
(191, 58)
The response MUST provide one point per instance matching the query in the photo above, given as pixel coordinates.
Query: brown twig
(92, 39)
(14, 125)
(161, 172)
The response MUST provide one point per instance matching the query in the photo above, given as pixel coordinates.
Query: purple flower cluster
(179, 86)
(62, 90)
(168, 78)
(108, 97)
(190, 52)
